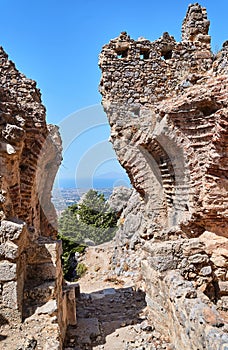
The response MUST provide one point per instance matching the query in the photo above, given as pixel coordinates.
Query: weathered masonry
(31, 283)
(167, 105)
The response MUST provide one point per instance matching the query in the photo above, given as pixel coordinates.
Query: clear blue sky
(57, 43)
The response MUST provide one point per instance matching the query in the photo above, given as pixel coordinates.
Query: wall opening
(144, 54)
(166, 55)
(135, 111)
(122, 53)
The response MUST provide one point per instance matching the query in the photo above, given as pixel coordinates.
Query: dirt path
(111, 312)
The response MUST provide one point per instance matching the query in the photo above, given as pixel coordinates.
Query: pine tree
(91, 219)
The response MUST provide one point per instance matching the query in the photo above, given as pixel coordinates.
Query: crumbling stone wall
(166, 102)
(31, 281)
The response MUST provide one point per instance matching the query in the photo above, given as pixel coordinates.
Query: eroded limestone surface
(31, 284)
(166, 102)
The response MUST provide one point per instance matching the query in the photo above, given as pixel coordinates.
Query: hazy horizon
(97, 182)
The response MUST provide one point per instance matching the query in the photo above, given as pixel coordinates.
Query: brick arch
(169, 168)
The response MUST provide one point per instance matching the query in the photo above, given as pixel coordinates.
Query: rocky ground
(111, 311)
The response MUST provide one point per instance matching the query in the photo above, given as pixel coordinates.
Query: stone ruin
(167, 105)
(34, 299)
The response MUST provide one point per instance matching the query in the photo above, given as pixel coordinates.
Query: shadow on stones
(2, 337)
(3, 320)
(40, 280)
(103, 312)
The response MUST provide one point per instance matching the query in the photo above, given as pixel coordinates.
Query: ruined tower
(166, 102)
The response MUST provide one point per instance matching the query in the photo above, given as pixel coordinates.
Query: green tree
(91, 219)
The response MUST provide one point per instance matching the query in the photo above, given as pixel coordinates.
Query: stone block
(9, 250)
(45, 252)
(41, 293)
(198, 259)
(49, 308)
(8, 271)
(223, 287)
(12, 231)
(163, 256)
(40, 272)
(71, 307)
(9, 295)
(206, 271)
(219, 260)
